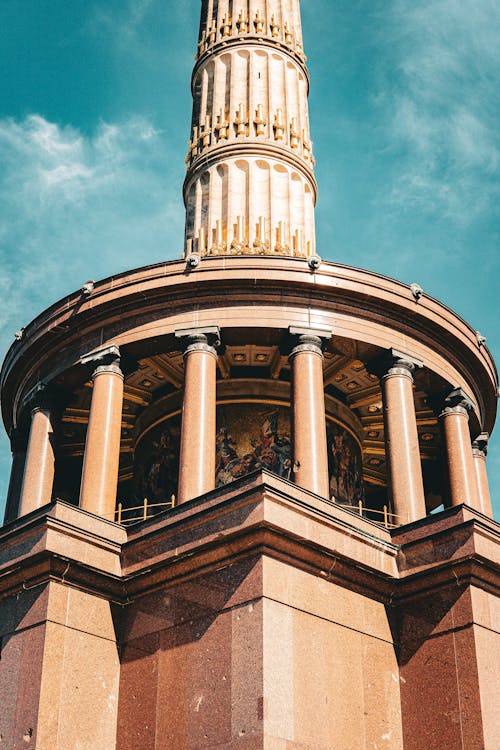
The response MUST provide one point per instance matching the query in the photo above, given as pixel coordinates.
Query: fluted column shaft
(39, 469)
(401, 438)
(197, 449)
(102, 448)
(461, 470)
(250, 186)
(479, 453)
(310, 454)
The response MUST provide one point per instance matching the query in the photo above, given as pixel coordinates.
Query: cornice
(260, 148)
(249, 41)
(57, 339)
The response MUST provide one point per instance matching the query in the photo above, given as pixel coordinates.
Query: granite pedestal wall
(59, 666)
(59, 676)
(258, 655)
(255, 616)
(449, 667)
(448, 632)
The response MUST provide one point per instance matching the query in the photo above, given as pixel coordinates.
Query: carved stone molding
(480, 445)
(394, 362)
(106, 360)
(456, 402)
(205, 339)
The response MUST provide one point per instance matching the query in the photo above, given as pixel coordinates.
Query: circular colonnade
(160, 384)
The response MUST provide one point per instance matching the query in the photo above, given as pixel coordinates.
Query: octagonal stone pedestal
(256, 616)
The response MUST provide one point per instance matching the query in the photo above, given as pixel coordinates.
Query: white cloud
(74, 207)
(444, 106)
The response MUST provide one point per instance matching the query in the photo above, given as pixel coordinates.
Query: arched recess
(297, 213)
(280, 206)
(310, 231)
(222, 86)
(238, 200)
(190, 212)
(261, 224)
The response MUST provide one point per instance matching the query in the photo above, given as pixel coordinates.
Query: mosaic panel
(157, 463)
(249, 437)
(345, 466)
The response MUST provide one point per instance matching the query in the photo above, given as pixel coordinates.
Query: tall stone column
(250, 142)
(401, 437)
(102, 448)
(197, 449)
(18, 445)
(39, 469)
(310, 453)
(461, 471)
(479, 453)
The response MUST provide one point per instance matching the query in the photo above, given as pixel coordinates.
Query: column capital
(480, 445)
(43, 397)
(311, 340)
(105, 360)
(18, 437)
(394, 362)
(456, 402)
(202, 339)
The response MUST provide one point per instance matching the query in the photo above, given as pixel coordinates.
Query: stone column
(39, 469)
(102, 448)
(197, 449)
(310, 453)
(461, 471)
(479, 453)
(401, 437)
(18, 444)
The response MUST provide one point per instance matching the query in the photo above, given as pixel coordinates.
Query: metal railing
(126, 516)
(388, 520)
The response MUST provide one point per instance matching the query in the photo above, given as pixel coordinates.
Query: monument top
(250, 186)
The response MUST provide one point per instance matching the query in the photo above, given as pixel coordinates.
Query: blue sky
(94, 119)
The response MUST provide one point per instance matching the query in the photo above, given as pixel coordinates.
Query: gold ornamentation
(241, 121)
(221, 126)
(236, 247)
(226, 28)
(212, 33)
(202, 44)
(202, 245)
(275, 29)
(193, 148)
(242, 23)
(260, 248)
(294, 133)
(260, 121)
(259, 23)
(306, 146)
(279, 125)
(206, 133)
(218, 249)
(281, 248)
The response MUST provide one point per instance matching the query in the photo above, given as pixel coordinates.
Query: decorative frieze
(204, 136)
(239, 26)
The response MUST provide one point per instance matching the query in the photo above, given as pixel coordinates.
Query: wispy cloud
(443, 103)
(74, 207)
(139, 29)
